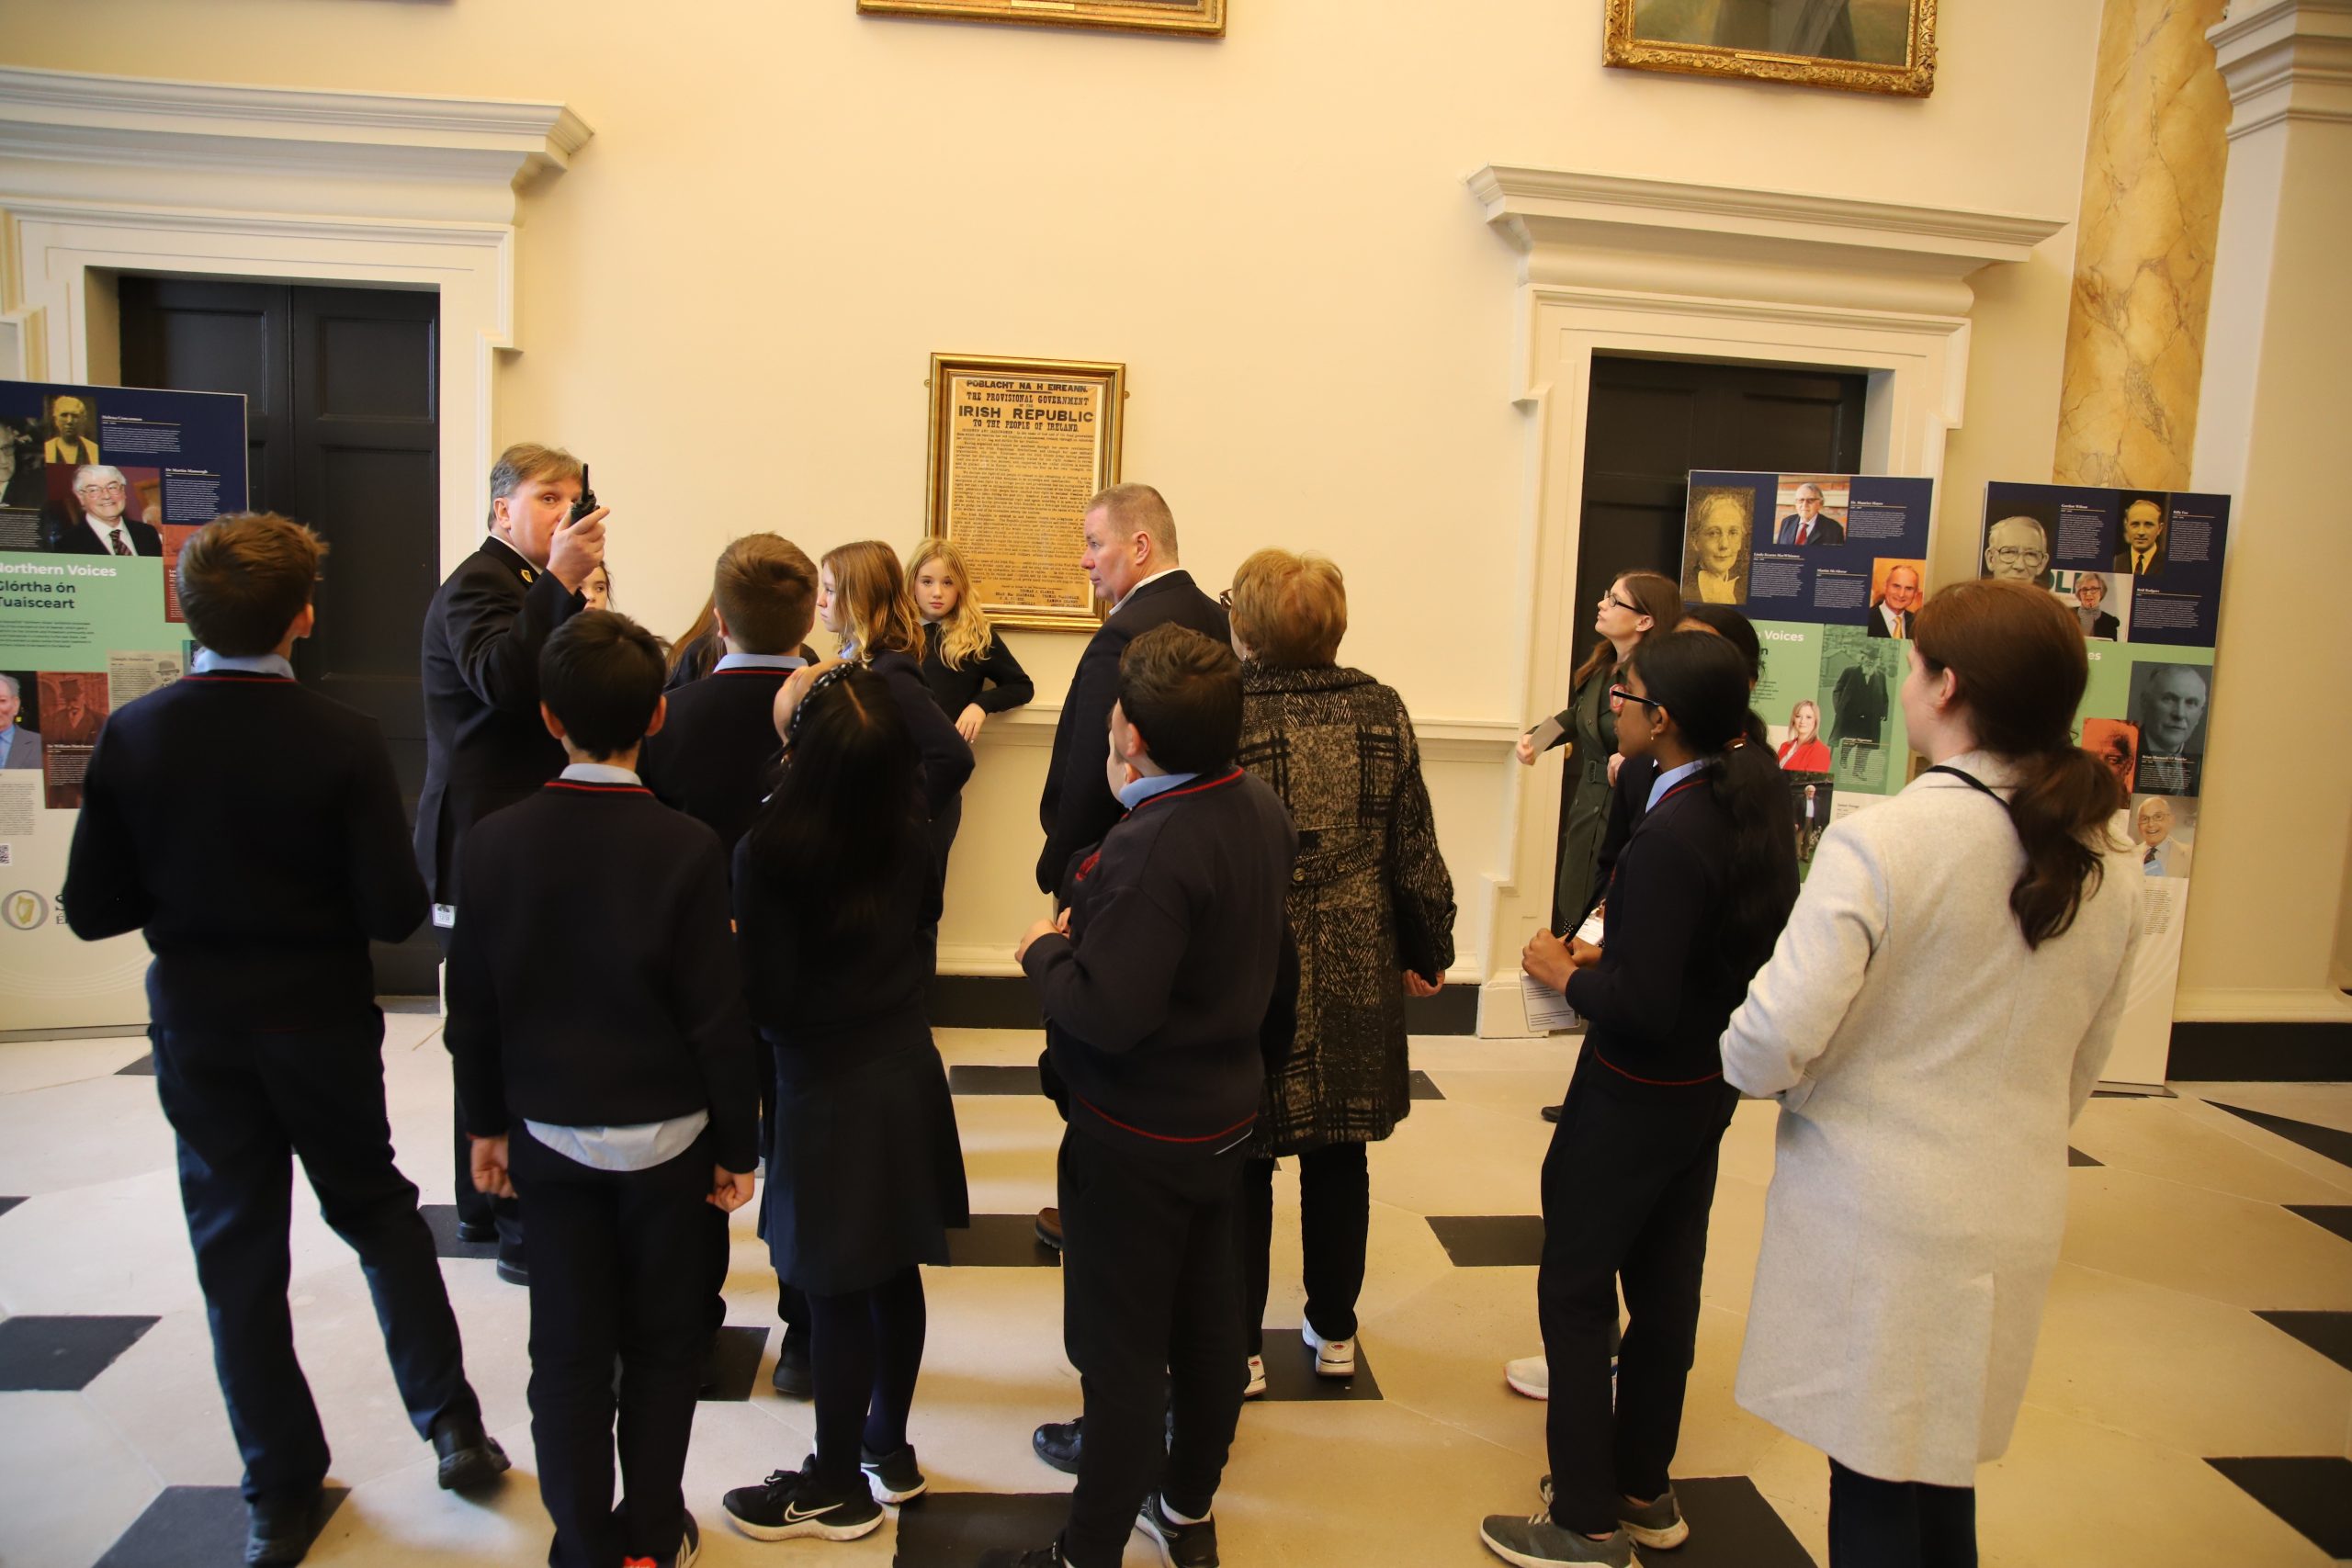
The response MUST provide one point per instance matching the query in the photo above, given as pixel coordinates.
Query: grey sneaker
(1537, 1543)
(1658, 1525)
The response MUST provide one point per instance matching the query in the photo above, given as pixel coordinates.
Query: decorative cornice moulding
(1641, 235)
(2285, 60)
(52, 121)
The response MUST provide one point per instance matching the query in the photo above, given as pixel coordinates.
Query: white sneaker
(1530, 1375)
(1333, 1358)
(1256, 1386)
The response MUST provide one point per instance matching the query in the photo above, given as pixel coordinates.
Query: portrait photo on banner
(2171, 705)
(1810, 509)
(1720, 544)
(2116, 743)
(2163, 828)
(2101, 601)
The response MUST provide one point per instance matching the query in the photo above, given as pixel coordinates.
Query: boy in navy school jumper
(254, 828)
(1155, 983)
(713, 759)
(604, 1059)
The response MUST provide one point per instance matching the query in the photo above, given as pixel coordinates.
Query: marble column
(2144, 256)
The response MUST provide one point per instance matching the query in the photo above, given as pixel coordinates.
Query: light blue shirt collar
(758, 661)
(1668, 779)
(206, 662)
(1141, 790)
(598, 773)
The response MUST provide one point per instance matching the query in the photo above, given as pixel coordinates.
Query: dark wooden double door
(342, 412)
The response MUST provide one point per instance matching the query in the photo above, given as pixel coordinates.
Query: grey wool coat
(1928, 1064)
(1370, 896)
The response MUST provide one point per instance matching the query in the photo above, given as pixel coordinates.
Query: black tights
(864, 1351)
(1899, 1524)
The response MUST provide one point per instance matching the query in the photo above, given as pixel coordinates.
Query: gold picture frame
(1018, 447)
(1864, 46)
(1194, 18)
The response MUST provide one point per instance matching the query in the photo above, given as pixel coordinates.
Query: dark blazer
(2104, 624)
(1827, 530)
(74, 539)
(714, 757)
(1878, 621)
(1857, 705)
(955, 690)
(947, 760)
(1078, 807)
(602, 999)
(485, 746)
(2156, 558)
(254, 828)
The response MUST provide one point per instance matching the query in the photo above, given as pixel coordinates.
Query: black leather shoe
(279, 1530)
(477, 1231)
(1058, 1443)
(1552, 1114)
(469, 1456)
(791, 1377)
(512, 1268)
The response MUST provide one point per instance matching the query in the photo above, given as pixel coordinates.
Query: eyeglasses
(108, 489)
(1611, 598)
(2011, 555)
(1620, 694)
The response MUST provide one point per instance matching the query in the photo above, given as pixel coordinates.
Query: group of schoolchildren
(731, 1005)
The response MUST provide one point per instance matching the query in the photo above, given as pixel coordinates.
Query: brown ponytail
(2018, 669)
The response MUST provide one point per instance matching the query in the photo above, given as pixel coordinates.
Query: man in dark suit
(485, 746)
(1858, 706)
(1807, 526)
(1891, 616)
(20, 747)
(2143, 554)
(103, 496)
(1131, 559)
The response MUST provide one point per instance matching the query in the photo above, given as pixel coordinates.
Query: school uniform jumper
(1631, 1173)
(865, 1173)
(598, 1023)
(485, 747)
(254, 829)
(1008, 687)
(1154, 1004)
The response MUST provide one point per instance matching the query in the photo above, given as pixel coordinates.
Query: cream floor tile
(1460, 1052)
(70, 1483)
(1747, 1146)
(162, 1392)
(2069, 1492)
(1439, 1352)
(996, 1047)
(1795, 1478)
(2324, 1104)
(2184, 1372)
(2185, 1143)
(2207, 1244)
(1718, 1437)
(404, 1516)
(114, 1247)
(70, 1135)
(1450, 1158)
(2330, 1175)
(1009, 1143)
(1521, 1092)
(42, 1064)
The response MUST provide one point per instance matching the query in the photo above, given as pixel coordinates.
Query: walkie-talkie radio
(587, 501)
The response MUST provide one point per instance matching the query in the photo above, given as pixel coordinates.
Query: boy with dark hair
(269, 1043)
(1155, 983)
(712, 758)
(605, 1062)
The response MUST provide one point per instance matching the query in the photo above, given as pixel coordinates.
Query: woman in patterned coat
(1371, 911)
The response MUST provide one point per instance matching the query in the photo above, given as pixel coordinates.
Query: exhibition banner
(1830, 568)
(102, 486)
(2140, 571)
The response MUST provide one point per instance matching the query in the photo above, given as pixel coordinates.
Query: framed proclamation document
(1018, 447)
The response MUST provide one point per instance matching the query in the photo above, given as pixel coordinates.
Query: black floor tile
(2312, 1495)
(1731, 1526)
(441, 1219)
(1490, 1241)
(142, 1068)
(1000, 1241)
(969, 1079)
(1424, 1088)
(1290, 1373)
(2332, 1142)
(734, 1364)
(62, 1354)
(191, 1526)
(951, 1529)
(8, 1204)
(2329, 1333)
(2077, 1158)
(2337, 1217)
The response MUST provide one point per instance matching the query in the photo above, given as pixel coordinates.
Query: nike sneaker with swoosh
(792, 1503)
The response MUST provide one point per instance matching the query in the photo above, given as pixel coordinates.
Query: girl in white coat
(1933, 1019)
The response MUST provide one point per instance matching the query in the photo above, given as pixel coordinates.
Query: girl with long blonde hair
(970, 669)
